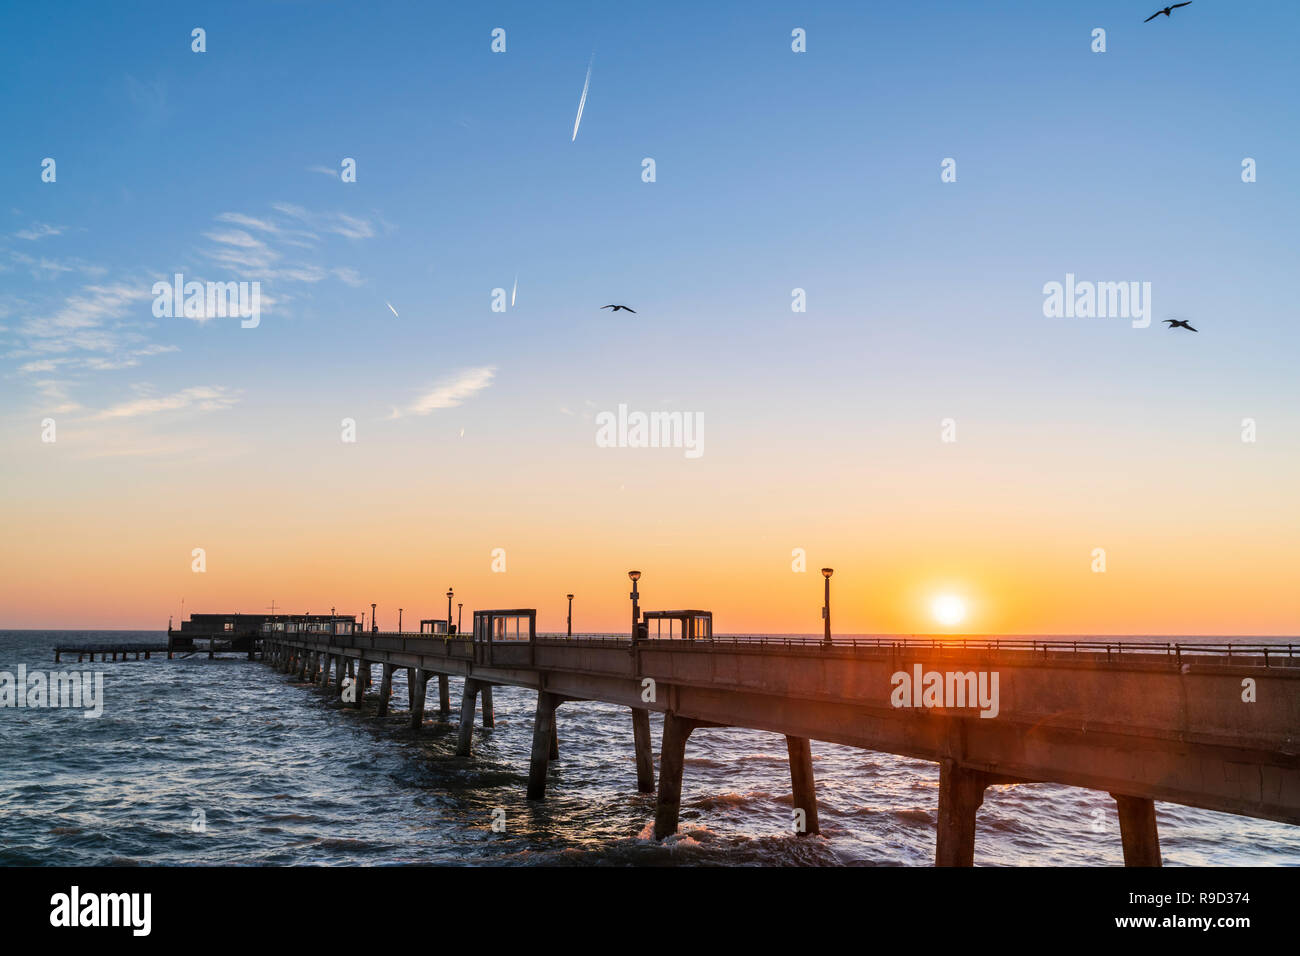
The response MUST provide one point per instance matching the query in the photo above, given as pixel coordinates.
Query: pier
(1205, 725)
(109, 651)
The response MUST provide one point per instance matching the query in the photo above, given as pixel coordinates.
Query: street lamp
(450, 595)
(636, 610)
(374, 625)
(570, 597)
(826, 610)
(458, 607)
(399, 620)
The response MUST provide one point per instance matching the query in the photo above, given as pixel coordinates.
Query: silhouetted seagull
(617, 307)
(1180, 323)
(1165, 11)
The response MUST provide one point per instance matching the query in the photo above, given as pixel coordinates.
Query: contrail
(390, 308)
(582, 102)
(513, 291)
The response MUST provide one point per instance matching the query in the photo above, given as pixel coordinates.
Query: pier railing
(1283, 653)
(1270, 653)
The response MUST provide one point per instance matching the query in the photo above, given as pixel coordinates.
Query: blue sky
(775, 170)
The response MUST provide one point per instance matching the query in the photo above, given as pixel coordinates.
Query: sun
(948, 609)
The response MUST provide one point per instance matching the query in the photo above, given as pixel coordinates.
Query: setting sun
(949, 610)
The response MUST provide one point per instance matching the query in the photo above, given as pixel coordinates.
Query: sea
(228, 761)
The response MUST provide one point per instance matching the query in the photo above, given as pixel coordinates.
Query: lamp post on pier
(458, 607)
(374, 625)
(570, 597)
(826, 609)
(450, 595)
(399, 620)
(636, 610)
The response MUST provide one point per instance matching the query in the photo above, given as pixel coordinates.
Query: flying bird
(1180, 324)
(617, 307)
(1166, 10)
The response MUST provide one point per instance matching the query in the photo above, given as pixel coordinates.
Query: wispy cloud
(324, 170)
(86, 321)
(248, 222)
(450, 392)
(47, 268)
(203, 398)
(339, 223)
(39, 230)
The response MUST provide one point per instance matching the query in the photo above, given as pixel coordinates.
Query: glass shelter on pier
(689, 625)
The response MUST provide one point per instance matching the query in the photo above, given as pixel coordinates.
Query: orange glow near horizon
(100, 545)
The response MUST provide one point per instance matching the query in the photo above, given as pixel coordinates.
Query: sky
(476, 462)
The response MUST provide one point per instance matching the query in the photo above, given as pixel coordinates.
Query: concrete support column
(1137, 830)
(961, 792)
(489, 718)
(645, 760)
(543, 736)
(340, 671)
(304, 665)
(324, 671)
(465, 739)
(385, 690)
(555, 740)
(671, 758)
(362, 679)
(444, 697)
(418, 679)
(803, 787)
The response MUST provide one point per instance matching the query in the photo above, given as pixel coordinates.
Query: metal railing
(1110, 648)
(1176, 650)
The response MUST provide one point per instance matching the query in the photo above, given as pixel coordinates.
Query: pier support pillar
(360, 685)
(324, 671)
(444, 697)
(385, 690)
(555, 740)
(302, 666)
(803, 786)
(645, 760)
(340, 671)
(543, 739)
(671, 758)
(418, 679)
(1137, 830)
(489, 718)
(961, 792)
(465, 739)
